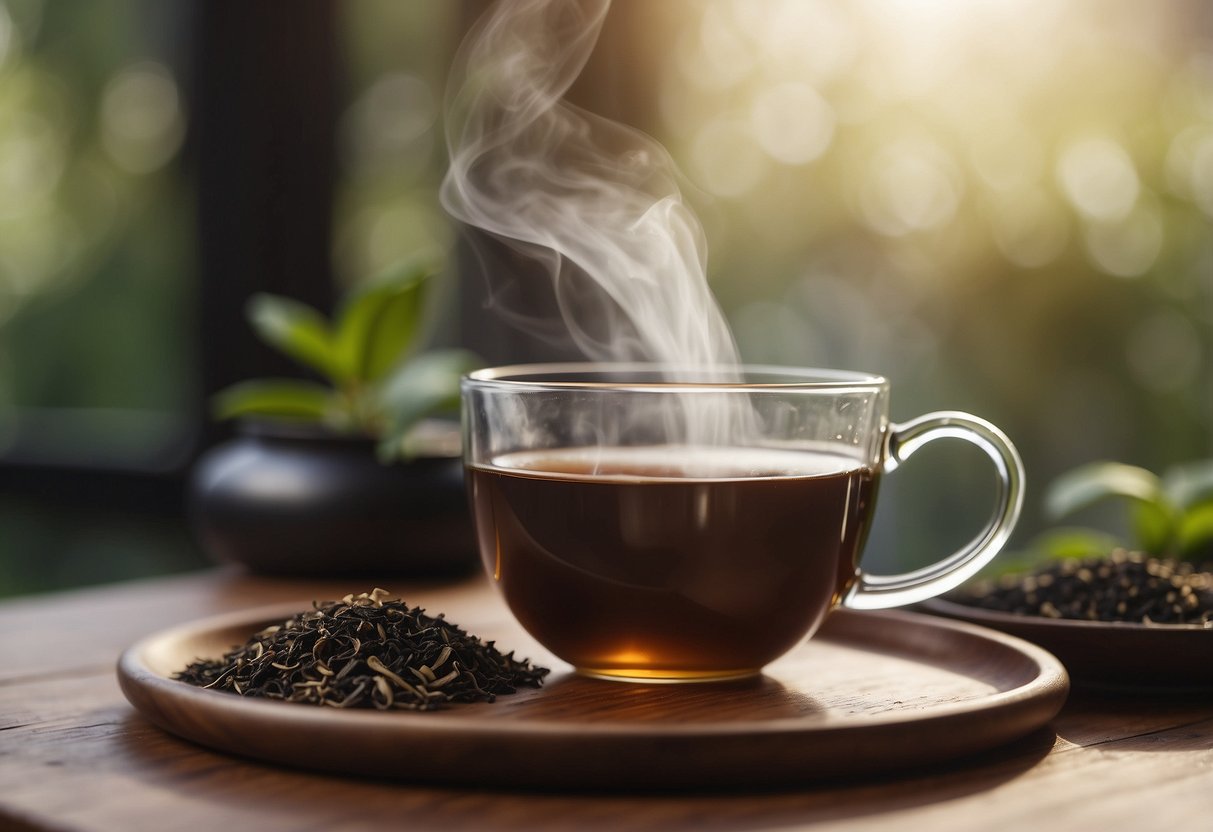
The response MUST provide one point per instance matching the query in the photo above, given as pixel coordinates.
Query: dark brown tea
(671, 562)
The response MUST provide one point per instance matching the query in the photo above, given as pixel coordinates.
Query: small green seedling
(379, 384)
(1169, 516)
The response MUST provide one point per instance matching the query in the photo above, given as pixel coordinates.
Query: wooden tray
(1106, 654)
(870, 692)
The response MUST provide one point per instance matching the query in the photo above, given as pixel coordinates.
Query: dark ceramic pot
(299, 501)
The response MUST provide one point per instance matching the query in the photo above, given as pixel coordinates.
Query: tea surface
(671, 562)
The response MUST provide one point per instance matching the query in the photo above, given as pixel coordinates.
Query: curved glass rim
(538, 376)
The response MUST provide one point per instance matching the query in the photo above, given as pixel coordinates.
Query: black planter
(286, 500)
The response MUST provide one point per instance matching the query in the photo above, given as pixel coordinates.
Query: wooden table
(74, 755)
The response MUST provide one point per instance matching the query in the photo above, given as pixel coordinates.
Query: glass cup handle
(872, 592)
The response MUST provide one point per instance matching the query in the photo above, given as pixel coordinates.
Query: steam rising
(595, 201)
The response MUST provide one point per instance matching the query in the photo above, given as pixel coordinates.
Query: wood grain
(75, 756)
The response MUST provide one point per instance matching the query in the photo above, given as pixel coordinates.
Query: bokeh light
(911, 185)
(726, 159)
(1003, 204)
(142, 125)
(1128, 246)
(792, 123)
(1099, 179)
(1190, 166)
(1029, 227)
(391, 154)
(93, 263)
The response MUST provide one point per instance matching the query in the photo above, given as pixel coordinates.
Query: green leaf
(425, 384)
(1073, 542)
(1189, 484)
(1090, 484)
(296, 329)
(1153, 517)
(1155, 526)
(1196, 530)
(378, 324)
(280, 398)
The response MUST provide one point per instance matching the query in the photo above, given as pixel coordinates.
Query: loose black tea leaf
(1126, 586)
(366, 652)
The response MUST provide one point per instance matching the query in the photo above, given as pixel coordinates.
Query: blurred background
(1005, 206)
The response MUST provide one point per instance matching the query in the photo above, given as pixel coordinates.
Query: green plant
(1170, 515)
(379, 383)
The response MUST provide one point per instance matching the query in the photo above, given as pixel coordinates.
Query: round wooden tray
(870, 692)
(1111, 654)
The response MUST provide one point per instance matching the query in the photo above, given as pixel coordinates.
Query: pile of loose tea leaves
(366, 652)
(1125, 586)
